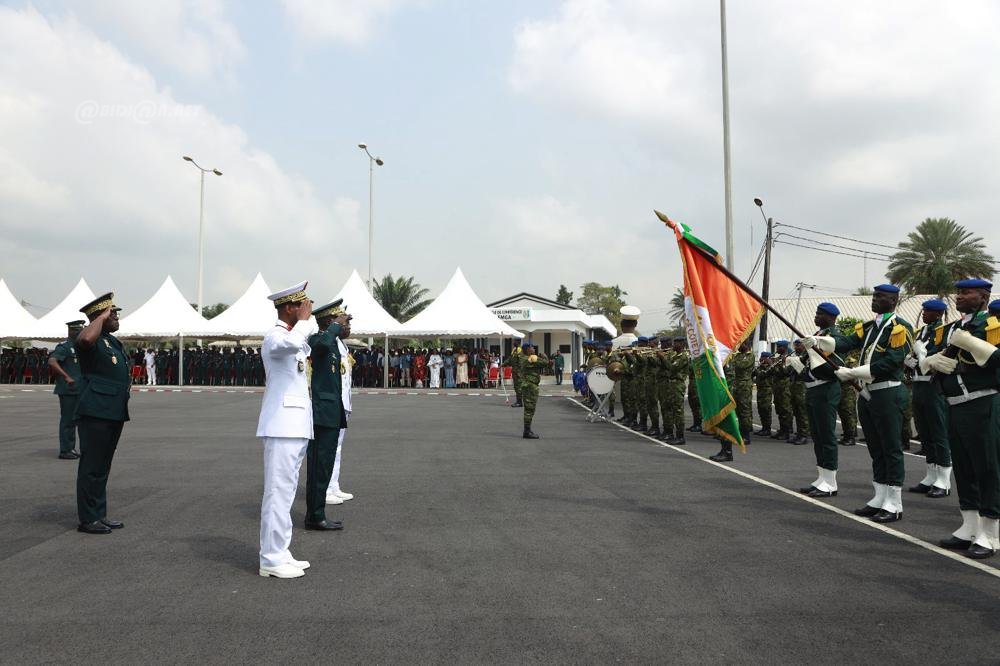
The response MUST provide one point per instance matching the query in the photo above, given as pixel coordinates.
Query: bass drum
(598, 380)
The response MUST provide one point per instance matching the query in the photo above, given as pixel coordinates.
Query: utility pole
(765, 289)
(727, 164)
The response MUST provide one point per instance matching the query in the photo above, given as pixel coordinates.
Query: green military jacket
(325, 383)
(531, 371)
(883, 342)
(677, 364)
(65, 355)
(105, 381)
(514, 362)
(968, 374)
(742, 363)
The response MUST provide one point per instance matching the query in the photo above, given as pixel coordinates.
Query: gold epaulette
(993, 331)
(859, 329)
(939, 335)
(898, 336)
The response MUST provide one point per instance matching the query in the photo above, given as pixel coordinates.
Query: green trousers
(797, 393)
(98, 442)
(320, 456)
(743, 395)
(515, 378)
(765, 404)
(848, 410)
(822, 401)
(882, 422)
(930, 411)
(693, 402)
(783, 406)
(67, 425)
(529, 395)
(974, 435)
(652, 401)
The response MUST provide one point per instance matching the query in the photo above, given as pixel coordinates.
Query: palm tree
(935, 255)
(400, 297)
(676, 312)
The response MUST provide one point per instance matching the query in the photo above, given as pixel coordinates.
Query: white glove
(939, 363)
(977, 347)
(844, 374)
(911, 362)
(919, 349)
(862, 372)
(795, 363)
(809, 341)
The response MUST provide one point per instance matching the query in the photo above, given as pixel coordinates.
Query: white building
(552, 326)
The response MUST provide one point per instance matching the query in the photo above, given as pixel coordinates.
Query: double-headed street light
(372, 161)
(201, 226)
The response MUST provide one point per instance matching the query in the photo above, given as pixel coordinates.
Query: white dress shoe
(333, 499)
(282, 571)
(298, 564)
(344, 496)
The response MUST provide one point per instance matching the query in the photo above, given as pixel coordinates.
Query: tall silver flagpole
(727, 165)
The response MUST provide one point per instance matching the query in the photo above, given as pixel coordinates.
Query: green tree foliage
(400, 297)
(676, 312)
(936, 254)
(565, 296)
(209, 311)
(846, 325)
(598, 299)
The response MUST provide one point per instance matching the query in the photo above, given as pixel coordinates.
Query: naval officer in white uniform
(334, 495)
(285, 427)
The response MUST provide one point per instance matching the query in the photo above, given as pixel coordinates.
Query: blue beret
(766, 354)
(653, 338)
(934, 305)
(781, 343)
(527, 345)
(887, 288)
(643, 338)
(995, 305)
(974, 283)
(829, 308)
(680, 339)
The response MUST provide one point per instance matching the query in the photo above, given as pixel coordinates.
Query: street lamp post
(201, 227)
(372, 161)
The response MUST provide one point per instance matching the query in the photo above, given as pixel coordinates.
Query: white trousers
(150, 374)
(334, 486)
(282, 460)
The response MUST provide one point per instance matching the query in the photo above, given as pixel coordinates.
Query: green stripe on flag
(718, 409)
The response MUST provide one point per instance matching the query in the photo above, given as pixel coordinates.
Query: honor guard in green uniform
(101, 411)
(822, 398)
(780, 381)
(847, 410)
(797, 397)
(742, 362)
(969, 370)
(930, 408)
(765, 395)
(884, 343)
(328, 411)
(532, 365)
(514, 363)
(64, 365)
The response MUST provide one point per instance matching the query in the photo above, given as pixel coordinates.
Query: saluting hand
(305, 310)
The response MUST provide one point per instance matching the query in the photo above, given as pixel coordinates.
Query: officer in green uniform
(742, 363)
(847, 410)
(970, 380)
(765, 394)
(797, 397)
(884, 343)
(66, 368)
(101, 412)
(930, 408)
(780, 381)
(532, 365)
(514, 363)
(822, 397)
(328, 411)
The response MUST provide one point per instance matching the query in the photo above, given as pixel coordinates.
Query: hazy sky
(527, 142)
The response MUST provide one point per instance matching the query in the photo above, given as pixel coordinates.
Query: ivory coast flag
(720, 314)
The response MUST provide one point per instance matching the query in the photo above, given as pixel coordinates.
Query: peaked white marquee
(15, 321)
(52, 325)
(251, 316)
(368, 317)
(457, 311)
(166, 314)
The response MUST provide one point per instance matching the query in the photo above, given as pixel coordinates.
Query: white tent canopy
(249, 317)
(52, 326)
(166, 314)
(456, 312)
(15, 321)
(368, 317)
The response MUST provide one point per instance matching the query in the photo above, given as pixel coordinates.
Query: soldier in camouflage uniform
(625, 384)
(780, 381)
(676, 365)
(514, 362)
(650, 377)
(847, 410)
(797, 393)
(693, 401)
(742, 363)
(532, 365)
(765, 395)
(638, 366)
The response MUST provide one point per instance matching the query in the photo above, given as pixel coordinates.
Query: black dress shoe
(867, 511)
(807, 490)
(978, 552)
(937, 493)
(678, 441)
(112, 524)
(694, 428)
(800, 440)
(324, 525)
(528, 434)
(849, 442)
(96, 527)
(884, 516)
(764, 432)
(816, 492)
(69, 455)
(722, 456)
(919, 488)
(954, 543)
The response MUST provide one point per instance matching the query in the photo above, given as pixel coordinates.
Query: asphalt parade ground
(467, 544)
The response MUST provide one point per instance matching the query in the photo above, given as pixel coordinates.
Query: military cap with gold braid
(100, 304)
(293, 294)
(329, 310)
(76, 324)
